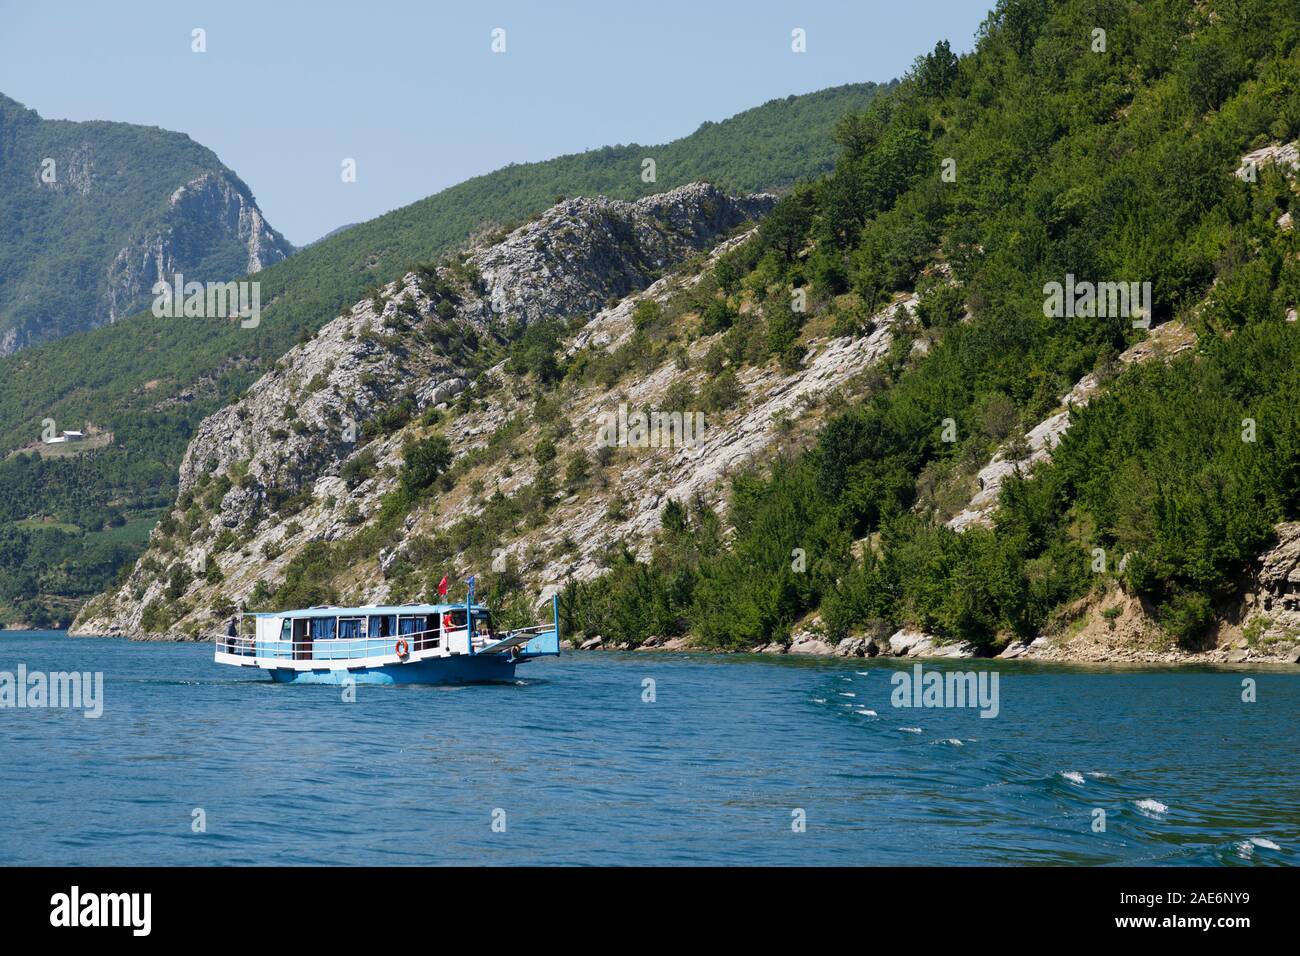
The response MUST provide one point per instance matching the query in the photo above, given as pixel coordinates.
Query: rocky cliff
(363, 387)
(213, 211)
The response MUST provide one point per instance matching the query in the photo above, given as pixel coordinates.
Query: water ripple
(745, 760)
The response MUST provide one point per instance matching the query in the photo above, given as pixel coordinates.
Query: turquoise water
(586, 772)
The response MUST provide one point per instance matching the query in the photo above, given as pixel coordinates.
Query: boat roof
(368, 609)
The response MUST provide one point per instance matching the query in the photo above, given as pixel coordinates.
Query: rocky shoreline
(904, 643)
(918, 645)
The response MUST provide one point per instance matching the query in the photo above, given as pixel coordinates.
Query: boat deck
(365, 652)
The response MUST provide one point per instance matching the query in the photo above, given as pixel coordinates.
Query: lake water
(578, 768)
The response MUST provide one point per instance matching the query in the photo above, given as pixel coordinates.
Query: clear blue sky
(413, 92)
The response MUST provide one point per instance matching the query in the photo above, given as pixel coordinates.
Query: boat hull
(438, 670)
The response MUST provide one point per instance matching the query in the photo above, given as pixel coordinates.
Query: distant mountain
(93, 214)
(332, 232)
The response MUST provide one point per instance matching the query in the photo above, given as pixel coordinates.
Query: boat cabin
(334, 633)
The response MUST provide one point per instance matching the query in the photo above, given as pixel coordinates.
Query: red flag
(442, 586)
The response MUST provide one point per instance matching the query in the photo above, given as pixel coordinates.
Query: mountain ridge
(91, 227)
(286, 441)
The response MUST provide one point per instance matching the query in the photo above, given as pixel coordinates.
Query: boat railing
(533, 629)
(328, 648)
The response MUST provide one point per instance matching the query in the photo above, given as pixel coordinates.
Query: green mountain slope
(88, 209)
(1111, 164)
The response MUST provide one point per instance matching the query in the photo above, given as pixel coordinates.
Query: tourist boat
(399, 644)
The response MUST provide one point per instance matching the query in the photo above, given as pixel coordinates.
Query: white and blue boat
(398, 644)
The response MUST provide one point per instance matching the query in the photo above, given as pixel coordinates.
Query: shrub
(721, 393)
(716, 316)
(359, 468)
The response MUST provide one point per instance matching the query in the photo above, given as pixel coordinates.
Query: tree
(786, 227)
(935, 72)
(534, 351)
(423, 462)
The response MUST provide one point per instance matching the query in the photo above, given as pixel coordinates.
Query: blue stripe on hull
(442, 670)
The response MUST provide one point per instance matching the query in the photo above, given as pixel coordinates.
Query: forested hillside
(1088, 138)
(151, 381)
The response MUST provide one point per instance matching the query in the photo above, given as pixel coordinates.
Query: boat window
(286, 630)
(349, 627)
(454, 620)
(411, 625)
(382, 625)
(322, 628)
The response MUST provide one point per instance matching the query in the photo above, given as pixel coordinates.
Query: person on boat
(232, 632)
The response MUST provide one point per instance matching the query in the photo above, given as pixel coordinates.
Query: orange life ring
(403, 648)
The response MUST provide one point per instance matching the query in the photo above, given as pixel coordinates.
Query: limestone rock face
(1276, 595)
(1285, 155)
(570, 260)
(202, 216)
(907, 642)
(805, 642)
(210, 231)
(332, 399)
(219, 202)
(78, 175)
(647, 480)
(1014, 650)
(583, 252)
(857, 647)
(910, 643)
